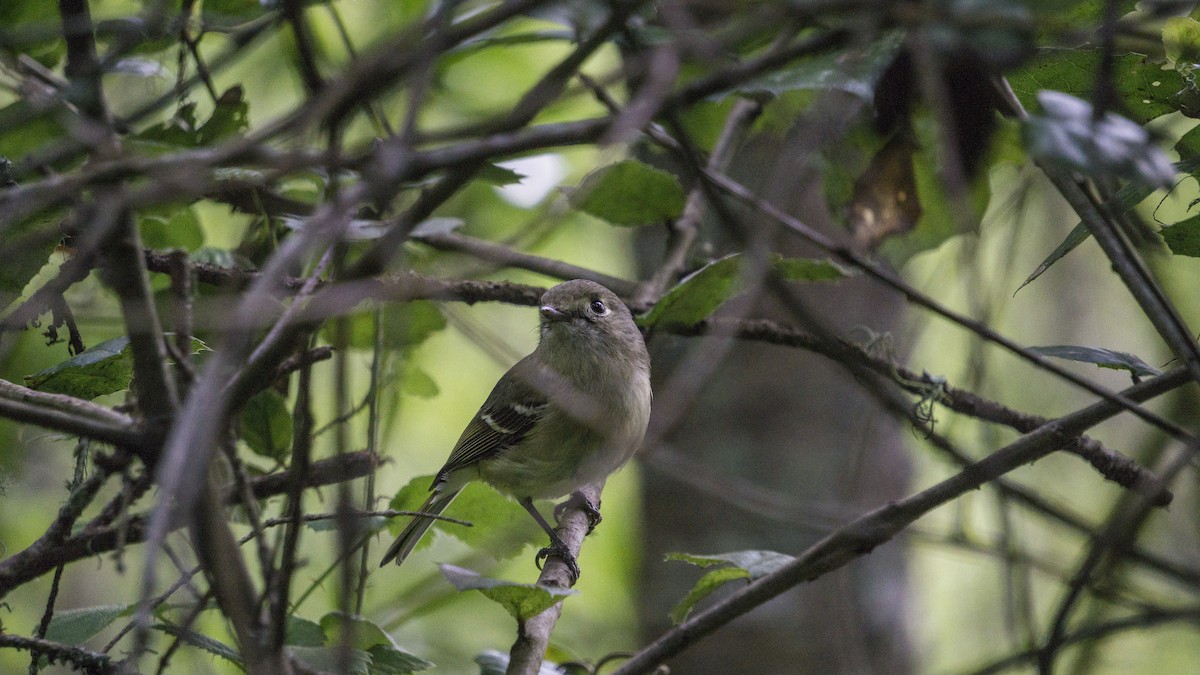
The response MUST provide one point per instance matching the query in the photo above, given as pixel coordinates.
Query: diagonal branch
(864, 534)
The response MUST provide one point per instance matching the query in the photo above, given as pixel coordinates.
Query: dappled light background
(757, 445)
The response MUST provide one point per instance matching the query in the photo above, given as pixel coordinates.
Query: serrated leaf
(629, 193)
(522, 601)
(703, 588)
(394, 661)
(333, 659)
(1105, 358)
(76, 626)
(103, 369)
(1183, 238)
(303, 633)
(266, 425)
(215, 647)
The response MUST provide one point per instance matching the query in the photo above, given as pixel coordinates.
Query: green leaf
(395, 661)
(25, 127)
(1129, 196)
(749, 565)
(233, 8)
(498, 175)
(522, 601)
(367, 637)
(703, 588)
(702, 292)
(1183, 238)
(1075, 237)
(103, 369)
(22, 268)
(215, 647)
(1104, 358)
(1181, 39)
(415, 381)
(697, 295)
(756, 563)
(1145, 89)
(808, 269)
(31, 29)
(405, 324)
(266, 425)
(303, 633)
(230, 117)
(364, 633)
(629, 193)
(171, 227)
(76, 626)
(333, 659)
(500, 526)
(855, 70)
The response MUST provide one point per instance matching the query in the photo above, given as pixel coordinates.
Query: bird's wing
(497, 425)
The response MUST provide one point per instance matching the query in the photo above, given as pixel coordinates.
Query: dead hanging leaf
(885, 202)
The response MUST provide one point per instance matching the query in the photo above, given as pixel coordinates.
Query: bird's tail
(404, 544)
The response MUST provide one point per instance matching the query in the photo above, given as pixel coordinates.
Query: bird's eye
(598, 308)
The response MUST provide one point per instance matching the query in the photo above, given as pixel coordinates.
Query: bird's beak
(553, 313)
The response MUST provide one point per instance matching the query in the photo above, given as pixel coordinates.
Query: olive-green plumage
(566, 416)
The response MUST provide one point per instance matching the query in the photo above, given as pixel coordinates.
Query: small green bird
(565, 416)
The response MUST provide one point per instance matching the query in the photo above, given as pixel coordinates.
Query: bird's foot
(559, 550)
(578, 500)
